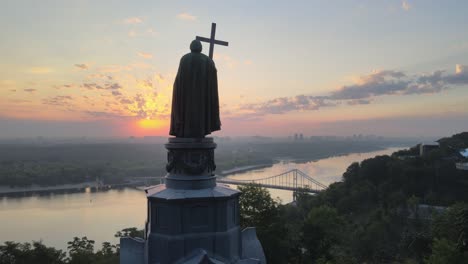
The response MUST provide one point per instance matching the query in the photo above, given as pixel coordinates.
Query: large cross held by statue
(212, 40)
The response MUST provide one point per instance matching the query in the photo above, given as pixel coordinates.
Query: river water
(57, 218)
(325, 171)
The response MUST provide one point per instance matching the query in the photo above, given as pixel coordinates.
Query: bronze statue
(195, 103)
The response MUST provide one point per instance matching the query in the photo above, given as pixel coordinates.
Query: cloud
(40, 70)
(133, 20)
(82, 66)
(460, 77)
(405, 5)
(99, 76)
(145, 55)
(186, 16)
(365, 89)
(148, 106)
(286, 104)
(132, 33)
(106, 86)
(113, 86)
(226, 60)
(30, 90)
(126, 101)
(359, 102)
(377, 83)
(105, 115)
(91, 86)
(60, 100)
(145, 84)
(459, 69)
(116, 93)
(19, 101)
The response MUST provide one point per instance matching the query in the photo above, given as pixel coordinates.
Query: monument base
(191, 219)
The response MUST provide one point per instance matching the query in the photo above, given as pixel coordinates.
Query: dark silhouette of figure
(195, 103)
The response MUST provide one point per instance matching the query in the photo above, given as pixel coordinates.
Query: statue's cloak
(195, 102)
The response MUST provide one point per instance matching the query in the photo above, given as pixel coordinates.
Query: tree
(321, 230)
(81, 251)
(25, 253)
(109, 254)
(259, 210)
(130, 232)
(445, 251)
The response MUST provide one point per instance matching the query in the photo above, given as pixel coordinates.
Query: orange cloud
(133, 20)
(186, 16)
(145, 55)
(405, 5)
(82, 66)
(40, 70)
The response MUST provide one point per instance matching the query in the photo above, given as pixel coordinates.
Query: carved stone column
(190, 163)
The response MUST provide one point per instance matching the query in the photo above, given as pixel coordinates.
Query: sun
(147, 127)
(150, 124)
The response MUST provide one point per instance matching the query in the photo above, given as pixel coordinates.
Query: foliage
(25, 253)
(258, 209)
(80, 251)
(375, 216)
(321, 230)
(444, 251)
(256, 206)
(130, 232)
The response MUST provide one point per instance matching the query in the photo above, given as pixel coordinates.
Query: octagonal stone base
(182, 221)
(191, 218)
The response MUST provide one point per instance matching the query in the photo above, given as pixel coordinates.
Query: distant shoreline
(7, 191)
(245, 168)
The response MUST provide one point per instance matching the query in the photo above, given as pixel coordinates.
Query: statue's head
(196, 46)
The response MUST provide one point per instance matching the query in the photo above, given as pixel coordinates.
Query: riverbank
(245, 169)
(64, 188)
(5, 190)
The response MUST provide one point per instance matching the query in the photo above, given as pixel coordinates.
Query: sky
(106, 68)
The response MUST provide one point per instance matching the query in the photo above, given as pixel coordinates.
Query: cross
(212, 40)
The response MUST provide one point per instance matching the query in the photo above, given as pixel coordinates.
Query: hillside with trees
(387, 209)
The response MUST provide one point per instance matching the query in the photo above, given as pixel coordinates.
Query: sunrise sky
(106, 68)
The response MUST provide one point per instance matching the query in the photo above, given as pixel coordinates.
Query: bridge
(293, 180)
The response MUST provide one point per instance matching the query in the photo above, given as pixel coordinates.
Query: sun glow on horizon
(146, 127)
(151, 124)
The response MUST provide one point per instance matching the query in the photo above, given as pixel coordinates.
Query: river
(325, 171)
(57, 218)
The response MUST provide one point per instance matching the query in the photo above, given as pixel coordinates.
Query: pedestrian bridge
(293, 180)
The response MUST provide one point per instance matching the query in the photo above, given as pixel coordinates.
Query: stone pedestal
(191, 219)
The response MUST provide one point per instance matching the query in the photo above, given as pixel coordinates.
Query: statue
(195, 103)
(191, 218)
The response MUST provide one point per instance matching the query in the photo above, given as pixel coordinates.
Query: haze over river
(57, 218)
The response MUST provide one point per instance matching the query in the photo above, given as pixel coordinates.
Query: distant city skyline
(106, 68)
